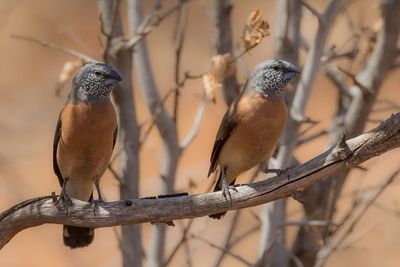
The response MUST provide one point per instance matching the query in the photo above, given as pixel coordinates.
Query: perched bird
(252, 125)
(84, 141)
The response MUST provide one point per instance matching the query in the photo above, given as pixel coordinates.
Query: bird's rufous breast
(86, 143)
(260, 122)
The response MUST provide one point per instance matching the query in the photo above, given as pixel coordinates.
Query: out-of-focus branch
(351, 118)
(223, 44)
(128, 132)
(195, 125)
(147, 25)
(312, 137)
(273, 214)
(56, 47)
(184, 238)
(180, 31)
(288, 43)
(357, 215)
(227, 244)
(164, 122)
(230, 253)
(344, 155)
(311, 9)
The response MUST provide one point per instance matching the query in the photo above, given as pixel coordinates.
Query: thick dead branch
(340, 157)
(223, 44)
(128, 132)
(164, 122)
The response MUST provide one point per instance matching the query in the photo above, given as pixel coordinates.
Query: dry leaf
(221, 67)
(256, 29)
(264, 27)
(256, 37)
(254, 18)
(210, 86)
(247, 40)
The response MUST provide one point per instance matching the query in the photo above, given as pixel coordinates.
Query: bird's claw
(65, 200)
(64, 197)
(96, 204)
(226, 190)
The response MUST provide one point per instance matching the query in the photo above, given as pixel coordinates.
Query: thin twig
(149, 23)
(361, 234)
(181, 32)
(311, 9)
(306, 223)
(369, 200)
(312, 137)
(109, 35)
(235, 256)
(196, 123)
(291, 255)
(154, 118)
(227, 241)
(56, 47)
(237, 240)
(180, 243)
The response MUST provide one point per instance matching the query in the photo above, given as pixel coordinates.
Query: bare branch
(164, 122)
(311, 9)
(336, 77)
(128, 129)
(223, 44)
(307, 223)
(328, 249)
(56, 47)
(229, 233)
(312, 137)
(185, 236)
(343, 156)
(226, 251)
(196, 124)
(351, 118)
(146, 26)
(180, 32)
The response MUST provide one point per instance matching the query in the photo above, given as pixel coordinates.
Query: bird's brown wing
(57, 136)
(115, 136)
(226, 128)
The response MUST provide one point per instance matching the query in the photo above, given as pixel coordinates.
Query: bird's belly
(86, 142)
(254, 139)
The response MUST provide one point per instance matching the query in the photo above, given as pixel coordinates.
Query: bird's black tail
(77, 237)
(217, 187)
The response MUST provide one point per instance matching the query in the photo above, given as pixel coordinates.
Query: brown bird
(252, 125)
(84, 140)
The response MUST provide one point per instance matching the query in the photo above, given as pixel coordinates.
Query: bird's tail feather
(77, 237)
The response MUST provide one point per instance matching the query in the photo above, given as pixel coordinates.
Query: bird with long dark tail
(84, 141)
(252, 125)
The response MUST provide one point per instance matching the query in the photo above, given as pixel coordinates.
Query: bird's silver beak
(292, 68)
(113, 77)
(291, 71)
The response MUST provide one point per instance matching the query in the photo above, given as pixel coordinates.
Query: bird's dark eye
(98, 73)
(275, 68)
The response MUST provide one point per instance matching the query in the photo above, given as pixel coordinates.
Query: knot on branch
(341, 151)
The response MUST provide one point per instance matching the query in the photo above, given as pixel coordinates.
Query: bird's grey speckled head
(93, 83)
(271, 77)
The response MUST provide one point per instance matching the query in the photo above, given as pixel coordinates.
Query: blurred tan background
(29, 110)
